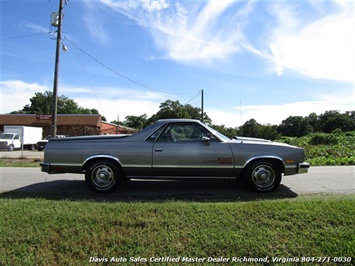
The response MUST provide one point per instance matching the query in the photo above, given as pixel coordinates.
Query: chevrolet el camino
(173, 148)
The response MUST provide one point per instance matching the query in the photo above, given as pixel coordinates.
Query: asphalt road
(31, 182)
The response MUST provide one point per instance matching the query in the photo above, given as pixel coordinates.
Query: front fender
(272, 157)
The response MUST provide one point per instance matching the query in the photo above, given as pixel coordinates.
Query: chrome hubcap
(263, 176)
(102, 176)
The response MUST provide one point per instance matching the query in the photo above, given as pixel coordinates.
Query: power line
(85, 72)
(23, 36)
(117, 73)
(194, 97)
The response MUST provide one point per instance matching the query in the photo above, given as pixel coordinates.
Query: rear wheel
(263, 175)
(103, 176)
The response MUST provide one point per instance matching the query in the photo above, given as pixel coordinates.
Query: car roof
(179, 120)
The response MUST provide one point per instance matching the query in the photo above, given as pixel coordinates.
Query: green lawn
(20, 162)
(60, 232)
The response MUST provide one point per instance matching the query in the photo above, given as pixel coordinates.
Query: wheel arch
(280, 163)
(98, 157)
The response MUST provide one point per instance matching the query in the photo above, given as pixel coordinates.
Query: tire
(263, 175)
(103, 176)
(11, 147)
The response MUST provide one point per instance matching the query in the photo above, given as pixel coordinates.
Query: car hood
(247, 140)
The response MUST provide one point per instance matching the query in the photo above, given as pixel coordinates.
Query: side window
(184, 132)
(156, 134)
(166, 135)
(17, 136)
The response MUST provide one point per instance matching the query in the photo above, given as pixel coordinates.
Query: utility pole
(202, 106)
(56, 71)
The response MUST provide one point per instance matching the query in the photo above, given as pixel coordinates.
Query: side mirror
(205, 139)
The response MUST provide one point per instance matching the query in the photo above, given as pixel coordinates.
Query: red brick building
(67, 124)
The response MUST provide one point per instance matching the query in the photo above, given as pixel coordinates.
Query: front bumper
(4, 145)
(303, 167)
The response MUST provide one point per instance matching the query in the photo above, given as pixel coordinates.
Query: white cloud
(117, 101)
(319, 46)
(321, 49)
(154, 5)
(189, 32)
(15, 94)
(127, 6)
(122, 107)
(96, 24)
(34, 27)
(122, 102)
(274, 114)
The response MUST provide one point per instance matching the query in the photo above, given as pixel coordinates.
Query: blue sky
(265, 60)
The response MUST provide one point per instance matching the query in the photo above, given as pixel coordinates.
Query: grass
(20, 162)
(48, 232)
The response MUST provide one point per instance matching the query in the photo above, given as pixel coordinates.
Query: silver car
(173, 148)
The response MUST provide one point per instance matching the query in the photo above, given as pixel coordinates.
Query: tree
(331, 120)
(249, 128)
(137, 122)
(313, 121)
(253, 129)
(295, 126)
(42, 103)
(227, 131)
(268, 132)
(173, 109)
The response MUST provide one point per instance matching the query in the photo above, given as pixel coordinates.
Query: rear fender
(101, 156)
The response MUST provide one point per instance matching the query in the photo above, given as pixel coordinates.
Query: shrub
(323, 138)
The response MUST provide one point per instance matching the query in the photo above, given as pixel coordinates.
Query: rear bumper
(61, 168)
(45, 167)
(303, 167)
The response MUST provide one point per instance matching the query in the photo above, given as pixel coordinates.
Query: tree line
(293, 126)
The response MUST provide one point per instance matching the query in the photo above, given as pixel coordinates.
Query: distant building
(67, 124)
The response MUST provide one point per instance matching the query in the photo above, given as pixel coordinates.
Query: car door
(17, 141)
(187, 149)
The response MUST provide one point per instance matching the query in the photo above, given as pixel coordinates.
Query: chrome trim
(229, 166)
(291, 166)
(66, 164)
(303, 167)
(137, 165)
(99, 156)
(264, 157)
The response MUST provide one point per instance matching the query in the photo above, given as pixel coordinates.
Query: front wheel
(103, 176)
(263, 176)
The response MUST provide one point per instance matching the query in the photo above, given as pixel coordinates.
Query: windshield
(6, 136)
(216, 133)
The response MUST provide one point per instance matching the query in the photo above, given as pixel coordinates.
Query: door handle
(158, 150)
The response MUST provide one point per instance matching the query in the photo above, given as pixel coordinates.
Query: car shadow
(150, 191)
